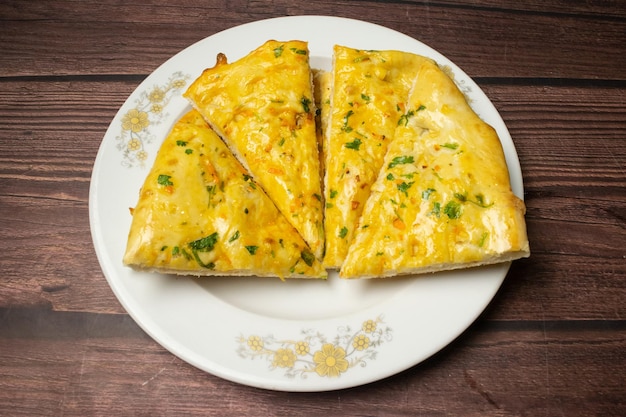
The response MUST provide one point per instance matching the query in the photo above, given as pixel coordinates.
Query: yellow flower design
(369, 326)
(255, 343)
(178, 83)
(135, 120)
(157, 95)
(156, 108)
(284, 358)
(142, 155)
(330, 360)
(361, 342)
(302, 348)
(134, 144)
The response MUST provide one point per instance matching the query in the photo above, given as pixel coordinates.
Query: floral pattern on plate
(314, 353)
(149, 110)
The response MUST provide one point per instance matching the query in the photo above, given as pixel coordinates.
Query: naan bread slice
(201, 213)
(443, 198)
(262, 106)
(369, 91)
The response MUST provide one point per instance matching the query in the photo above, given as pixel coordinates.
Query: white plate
(295, 335)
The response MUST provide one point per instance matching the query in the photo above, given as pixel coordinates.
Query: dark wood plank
(76, 364)
(530, 39)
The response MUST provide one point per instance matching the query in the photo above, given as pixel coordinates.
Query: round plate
(298, 335)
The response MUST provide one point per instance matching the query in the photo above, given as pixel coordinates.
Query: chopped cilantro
(181, 143)
(333, 193)
(205, 244)
(278, 51)
(404, 119)
(355, 144)
(307, 256)
(452, 209)
(345, 127)
(234, 237)
(252, 249)
(400, 160)
(164, 180)
(403, 187)
(306, 103)
(343, 232)
(188, 151)
(450, 145)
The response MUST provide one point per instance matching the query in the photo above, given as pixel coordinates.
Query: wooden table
(551, 343)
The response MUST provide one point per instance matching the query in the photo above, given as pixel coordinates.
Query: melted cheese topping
(200, 212)
(442, 199)
(262, 106)
(369, 90)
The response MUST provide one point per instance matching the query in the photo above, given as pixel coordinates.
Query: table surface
(553, 340)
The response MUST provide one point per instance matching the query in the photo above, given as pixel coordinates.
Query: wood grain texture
(534, 39)
(551, 342)
(66, 363)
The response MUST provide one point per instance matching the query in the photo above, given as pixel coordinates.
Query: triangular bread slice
(201, 213)
(262, 106)
(443, 198)
(369, 90)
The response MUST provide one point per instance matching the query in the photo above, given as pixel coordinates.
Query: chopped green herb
(175, 251)
(452, 209)
(278, 51)
(404, 119)
(252, 249)
(164, 180)
(307, 256)
(234, 237)
(188, 151)
(365, 97)
(333, 193)
(317, 197)
(421, 107)
(298, 51)
(186, 255)
(205, 244)
(355, 144)
(480, 201)
(330, 205)
(403, 187)
(181, 143)
(306, 103)
(343, 232)
(248, 178)
(449, 145)
(400, 160)
(390, 177)
(281, 142)
(163, 248)
(483, 238)
(461, 197)
(345, 127)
